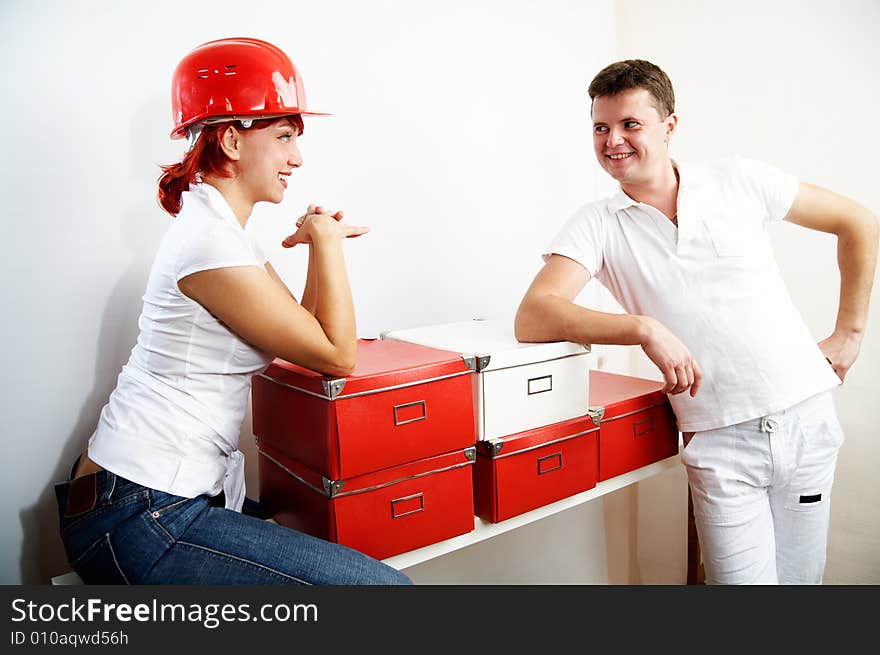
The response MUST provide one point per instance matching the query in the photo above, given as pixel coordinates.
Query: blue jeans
(118, 532)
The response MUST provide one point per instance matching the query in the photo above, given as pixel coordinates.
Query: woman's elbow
(342, 370)
(341, 365)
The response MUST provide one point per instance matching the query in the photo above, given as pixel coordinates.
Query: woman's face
(268, 157)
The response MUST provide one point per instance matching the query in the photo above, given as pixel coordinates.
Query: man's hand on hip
(841, 350)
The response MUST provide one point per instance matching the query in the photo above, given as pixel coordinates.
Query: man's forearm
(553, 318)
(857, 261)
(545, 316)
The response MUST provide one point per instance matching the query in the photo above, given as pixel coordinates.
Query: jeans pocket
(98, 564)
(161, 503)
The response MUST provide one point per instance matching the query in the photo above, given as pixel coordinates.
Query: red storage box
(637, 426)
(380, 514)
(402, 403)
(521, 472)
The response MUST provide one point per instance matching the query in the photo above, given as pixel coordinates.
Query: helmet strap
(193, 133)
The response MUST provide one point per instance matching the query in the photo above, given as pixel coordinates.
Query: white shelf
(485, 530)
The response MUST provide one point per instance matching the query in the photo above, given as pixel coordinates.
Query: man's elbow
(873, 226)
(525, 322)
(862, 227)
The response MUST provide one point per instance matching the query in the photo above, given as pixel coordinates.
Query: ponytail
(206, 156)
(174, 181)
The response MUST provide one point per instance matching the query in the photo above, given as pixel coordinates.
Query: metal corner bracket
(333, 388)
(332, 487)
(494, 446)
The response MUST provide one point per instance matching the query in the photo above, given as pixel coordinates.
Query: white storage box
(518, 386)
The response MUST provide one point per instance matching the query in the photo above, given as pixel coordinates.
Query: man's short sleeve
(219, 247)
(582, 239)
(775, 188)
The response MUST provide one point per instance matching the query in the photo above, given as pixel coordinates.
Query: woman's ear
(230, 142)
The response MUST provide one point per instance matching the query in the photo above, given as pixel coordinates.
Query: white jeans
(762, 490)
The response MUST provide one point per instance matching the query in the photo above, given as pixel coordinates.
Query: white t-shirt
(172, 423)
(714, 282)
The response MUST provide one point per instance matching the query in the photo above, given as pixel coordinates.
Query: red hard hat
(235, 78)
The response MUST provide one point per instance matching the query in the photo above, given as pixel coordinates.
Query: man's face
(630, 136)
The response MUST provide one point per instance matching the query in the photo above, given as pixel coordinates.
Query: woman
(156, 496)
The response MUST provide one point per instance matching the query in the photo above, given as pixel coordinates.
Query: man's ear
(230, 142)
(671, 123)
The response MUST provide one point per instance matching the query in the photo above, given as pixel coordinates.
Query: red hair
(205, 157)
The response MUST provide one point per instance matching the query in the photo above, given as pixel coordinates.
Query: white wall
(793, 83)
(459, 136)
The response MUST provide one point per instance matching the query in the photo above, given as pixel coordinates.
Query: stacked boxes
(441, 422)
(536, 441)
(379, 461)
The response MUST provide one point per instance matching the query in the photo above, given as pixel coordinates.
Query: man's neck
(660, 192)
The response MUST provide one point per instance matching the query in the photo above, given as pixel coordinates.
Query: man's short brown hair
(635, 74)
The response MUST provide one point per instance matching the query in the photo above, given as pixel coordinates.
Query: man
(685, 250)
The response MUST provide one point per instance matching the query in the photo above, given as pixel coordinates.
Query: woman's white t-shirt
(172, 423)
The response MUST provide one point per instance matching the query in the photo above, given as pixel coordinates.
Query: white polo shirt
(172, 423)
(714, 282)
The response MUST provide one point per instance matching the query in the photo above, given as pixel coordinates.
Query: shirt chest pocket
(728, 239)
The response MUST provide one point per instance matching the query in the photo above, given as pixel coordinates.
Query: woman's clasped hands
(317, 224)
